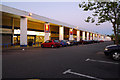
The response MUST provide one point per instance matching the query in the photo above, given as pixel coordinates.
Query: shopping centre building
(18, 27)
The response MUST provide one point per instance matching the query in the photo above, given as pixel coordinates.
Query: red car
(101, 41)
(50, 43)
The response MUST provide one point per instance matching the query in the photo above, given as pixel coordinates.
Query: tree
(104, 11)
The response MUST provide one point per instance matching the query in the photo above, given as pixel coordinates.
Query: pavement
(18, 47)
(79, 62)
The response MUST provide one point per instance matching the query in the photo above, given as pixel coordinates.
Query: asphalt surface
(82, 61)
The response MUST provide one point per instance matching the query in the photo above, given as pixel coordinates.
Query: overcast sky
(68, 12)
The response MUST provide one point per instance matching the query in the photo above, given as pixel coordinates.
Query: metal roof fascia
(38, 17)
(34, 16)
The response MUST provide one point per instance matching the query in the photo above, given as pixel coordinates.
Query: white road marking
(70, 72)
(101, 61)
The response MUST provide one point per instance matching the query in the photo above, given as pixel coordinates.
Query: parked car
(84, 42)
(96, 41)
(101, 41)
(73, 42)
(63, 43)
(90, 41)
(68, 42)
(51, 43)
(80, 42)
(113, 51)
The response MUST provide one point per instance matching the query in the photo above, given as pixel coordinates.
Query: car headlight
(106, 49)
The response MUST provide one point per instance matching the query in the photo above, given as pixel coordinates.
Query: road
(82, 61)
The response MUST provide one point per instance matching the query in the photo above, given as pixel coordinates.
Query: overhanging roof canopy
(18, 12)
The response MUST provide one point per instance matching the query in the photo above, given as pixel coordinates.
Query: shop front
(54, 30)
(74, 34)
(81, 35)
(66, 33)
(36, 37)
(74, 37)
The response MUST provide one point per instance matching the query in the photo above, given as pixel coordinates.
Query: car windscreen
(74, 41)
(56, 41)
(63, 41)
(46, 41)
(71, 41)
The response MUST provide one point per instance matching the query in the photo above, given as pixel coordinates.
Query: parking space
(94, 70)
(80, 61)
(81, 75)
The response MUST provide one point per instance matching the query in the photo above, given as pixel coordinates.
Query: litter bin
(30, 42)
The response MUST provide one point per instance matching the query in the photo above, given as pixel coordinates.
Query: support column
(97, 37)
(61, 33)
(70, 34)
(13, 30)
(90, 36)
(23, 32)
(105, 39)
(102, 37)
(47, 31)
(93, 36)
(87, 35)
(78, 35)
(83, 35)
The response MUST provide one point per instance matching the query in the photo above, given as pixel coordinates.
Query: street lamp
(30, 14)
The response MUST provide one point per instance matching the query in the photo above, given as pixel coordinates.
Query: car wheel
(116, 55)
(42, 46)
(52, 46)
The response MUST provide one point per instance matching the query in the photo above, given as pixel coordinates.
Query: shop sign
(74, 36)
(17, 31)
(91, 34)
(47, 30)
(71, 31)
(95, 35)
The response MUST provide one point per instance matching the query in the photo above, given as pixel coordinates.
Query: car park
(113, 51)
(50, 43)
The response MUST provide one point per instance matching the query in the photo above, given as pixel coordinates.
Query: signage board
(17, 31)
